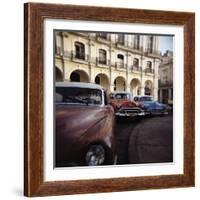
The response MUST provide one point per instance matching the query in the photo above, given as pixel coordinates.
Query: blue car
(150, 106)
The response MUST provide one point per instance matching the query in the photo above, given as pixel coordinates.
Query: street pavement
(146, 140)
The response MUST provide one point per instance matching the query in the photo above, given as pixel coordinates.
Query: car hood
(123, 102)
(153, 103)
(74, 122)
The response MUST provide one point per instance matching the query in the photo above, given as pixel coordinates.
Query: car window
(122, 96)
(136, 99)
(146, 98)
(77, 95)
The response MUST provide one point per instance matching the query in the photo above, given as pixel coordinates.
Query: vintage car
(84, 126)
(124, 105)
(150, 106)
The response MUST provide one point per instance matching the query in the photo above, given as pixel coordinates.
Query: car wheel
(95, 155)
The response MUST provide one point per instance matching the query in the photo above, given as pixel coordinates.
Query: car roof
(143, 96)
(79, 84)
(122, 92)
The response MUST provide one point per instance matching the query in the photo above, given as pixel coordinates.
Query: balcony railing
(122, 42)
(151, 51)
(79, 56)
(103, 36)
(120, 65)
(165, 83)
(100, 61)
(129, 44)
(94, 60)
(58, 50)
(85, 34)
(135, 68)
(149, 70)
(97, 61)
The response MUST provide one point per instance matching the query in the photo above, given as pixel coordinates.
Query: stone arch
(79, 76)
(58, 74)
(148, 87)
(135, 86)
(119, 84)
(103, 80)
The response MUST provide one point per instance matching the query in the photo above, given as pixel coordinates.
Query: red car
(84, 124)
(124, 106)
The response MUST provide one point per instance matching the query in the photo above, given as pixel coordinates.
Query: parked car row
(85, 121)
(126, 105)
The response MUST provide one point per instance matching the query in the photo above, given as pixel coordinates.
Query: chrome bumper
(120, 114)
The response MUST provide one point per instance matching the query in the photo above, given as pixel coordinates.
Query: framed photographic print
(109, 99)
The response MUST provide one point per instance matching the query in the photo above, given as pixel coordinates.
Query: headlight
(95, 155)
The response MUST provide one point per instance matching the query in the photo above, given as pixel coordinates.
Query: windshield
(77, 95)
(122, 96)
(146, 98)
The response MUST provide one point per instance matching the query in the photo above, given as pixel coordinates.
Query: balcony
(76, 56)
(58, 51)
(133, 68)
(83, 34)
(122, 43)
(103, 38)
(148, 71)
(100, 62)
(85, 58)
(119, 66)
(129, 46)
(152, 52)
(165, 83)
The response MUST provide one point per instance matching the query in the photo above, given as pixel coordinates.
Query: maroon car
(84, 126)
(124, 106)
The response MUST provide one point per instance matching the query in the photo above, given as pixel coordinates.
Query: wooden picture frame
(34, 16)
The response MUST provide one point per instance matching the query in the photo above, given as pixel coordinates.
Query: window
(121, 39)
(78, 95)
(79, 50)
(102, 56)
(122, 96)
(150, 44)
(120, 60)
(149, 65)
(136, 62)
(102, 35)
(97, 80)
(136, 42)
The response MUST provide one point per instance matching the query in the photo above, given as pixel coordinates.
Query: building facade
(118, 62)
(166, 78)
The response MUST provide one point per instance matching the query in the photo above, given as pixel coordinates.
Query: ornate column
(127, 72)
(66, 77)
(142, 89)
(62, 43)
(112, 87)
(110, 64)
(89, 58)
(155, 78)
(141, 76)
